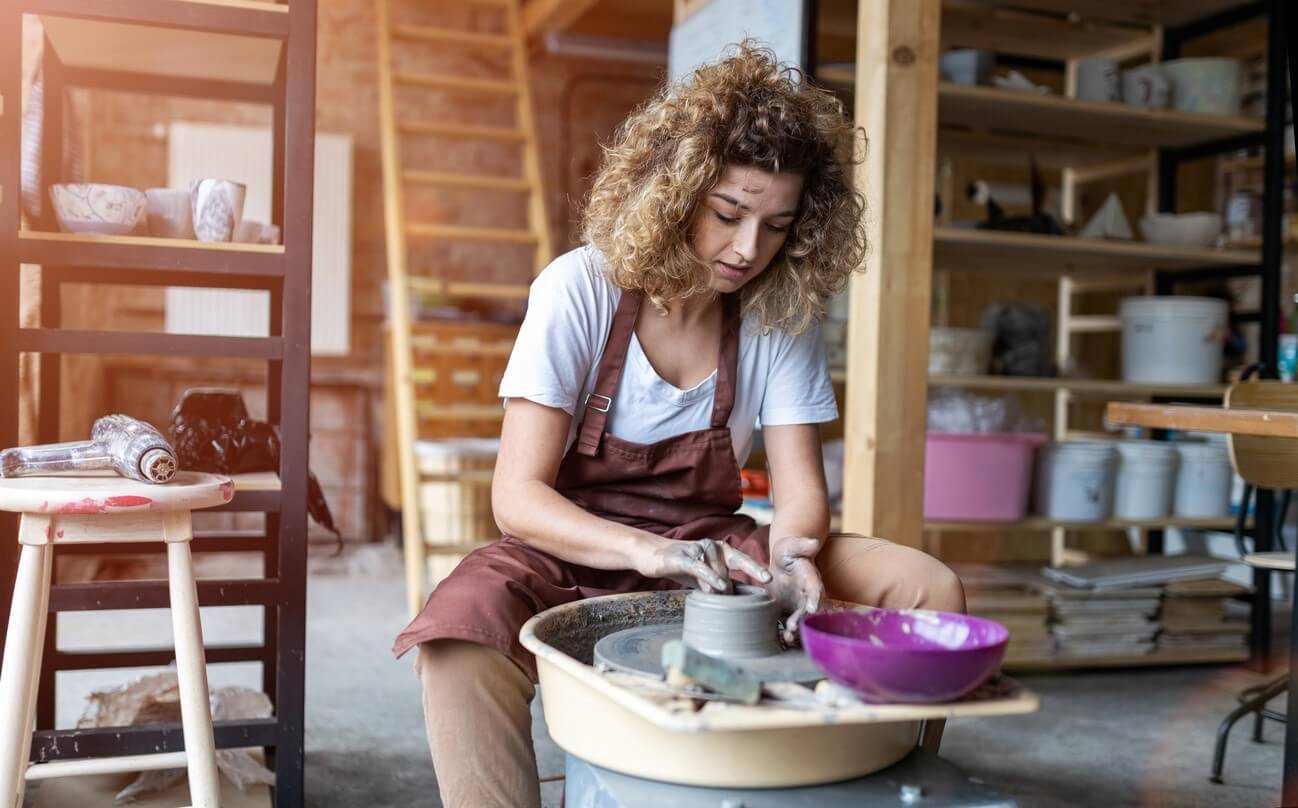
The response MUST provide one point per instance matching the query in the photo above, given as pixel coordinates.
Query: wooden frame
(896, 104)
(285, 272)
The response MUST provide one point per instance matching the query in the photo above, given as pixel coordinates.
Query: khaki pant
(476, 700)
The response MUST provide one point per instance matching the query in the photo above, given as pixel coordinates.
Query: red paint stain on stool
(86, 505)
(45, 506)
(227, 490)
(59, 534)
(47, 532)
(129, 501)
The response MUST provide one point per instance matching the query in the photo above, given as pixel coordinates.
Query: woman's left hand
(795, 583)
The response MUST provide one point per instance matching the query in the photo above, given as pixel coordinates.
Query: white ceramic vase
(217, 207)
(170, 213)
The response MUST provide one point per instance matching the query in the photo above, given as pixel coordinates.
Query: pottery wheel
(639, 650)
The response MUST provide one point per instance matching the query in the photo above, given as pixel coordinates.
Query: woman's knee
(945, 590)
(877, 572)
(458, 666)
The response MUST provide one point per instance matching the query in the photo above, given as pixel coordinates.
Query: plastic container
(1075, 480)
(1146, 479)
(958, 351)
(1203, 482)
(1172, 340)
(978, 477)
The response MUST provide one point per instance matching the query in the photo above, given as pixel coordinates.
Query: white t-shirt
(781, 379)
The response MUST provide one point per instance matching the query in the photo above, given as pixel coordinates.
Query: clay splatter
(59, 534)
(227, 490)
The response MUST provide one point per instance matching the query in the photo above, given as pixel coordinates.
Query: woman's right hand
(705, 561)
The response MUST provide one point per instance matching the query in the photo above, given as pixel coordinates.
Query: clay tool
(684, 664)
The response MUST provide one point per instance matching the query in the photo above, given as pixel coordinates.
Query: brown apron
(682, 487)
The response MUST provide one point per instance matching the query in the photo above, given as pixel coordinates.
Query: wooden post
(896, 104)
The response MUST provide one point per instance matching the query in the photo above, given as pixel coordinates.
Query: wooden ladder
(404, 226)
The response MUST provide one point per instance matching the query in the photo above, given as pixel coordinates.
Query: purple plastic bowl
(901, 655)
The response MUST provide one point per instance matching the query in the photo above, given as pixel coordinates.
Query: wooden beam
(541, 16)
(896, 104)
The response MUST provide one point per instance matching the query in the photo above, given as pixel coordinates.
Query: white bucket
(1172, 340)
(1075, 480)
(1203, 483)
(1146, 479)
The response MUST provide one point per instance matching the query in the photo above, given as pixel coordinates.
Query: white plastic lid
(1174, 306)
(458, 446)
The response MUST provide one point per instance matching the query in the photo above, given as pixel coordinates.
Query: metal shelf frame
(283, 272)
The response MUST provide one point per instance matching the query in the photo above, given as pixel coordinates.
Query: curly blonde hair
(745, 110)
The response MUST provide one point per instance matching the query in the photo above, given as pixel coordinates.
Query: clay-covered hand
(795, 583)
(705, 561)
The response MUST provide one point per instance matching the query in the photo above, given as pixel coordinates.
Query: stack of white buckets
(1088, 481)
(1165, 340)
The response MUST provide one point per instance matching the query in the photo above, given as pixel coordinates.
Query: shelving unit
(226, 50)
(1088, 142)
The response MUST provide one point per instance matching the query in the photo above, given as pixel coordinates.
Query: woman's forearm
(803, 516)
(534, 512)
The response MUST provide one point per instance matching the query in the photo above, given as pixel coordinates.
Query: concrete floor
(1116, 738)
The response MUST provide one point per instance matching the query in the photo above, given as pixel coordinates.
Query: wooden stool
(103, 510)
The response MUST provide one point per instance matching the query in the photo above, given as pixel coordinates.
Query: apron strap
(594, 410)
(723, 399)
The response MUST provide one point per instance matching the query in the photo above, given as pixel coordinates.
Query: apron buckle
(608, 402)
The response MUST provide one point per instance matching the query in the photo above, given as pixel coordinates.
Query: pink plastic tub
(983, 477)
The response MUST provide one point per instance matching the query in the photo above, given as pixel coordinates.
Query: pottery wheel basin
(599, 722)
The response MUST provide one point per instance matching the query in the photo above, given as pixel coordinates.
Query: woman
(720, 223)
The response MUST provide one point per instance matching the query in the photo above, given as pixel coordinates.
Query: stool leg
(24, 642)
(191, 671)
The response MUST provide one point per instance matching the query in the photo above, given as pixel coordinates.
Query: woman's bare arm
(797, 481)
(801, 519)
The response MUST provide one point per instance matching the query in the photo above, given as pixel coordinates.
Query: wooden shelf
(256, 481)
(143, 252)
(961, 248)
(1099, 388)
(1037, 523)
(1044, 37)
(209, 40)
(1137, 660)
(1146, 12)
(991, 108)
(1256, 163)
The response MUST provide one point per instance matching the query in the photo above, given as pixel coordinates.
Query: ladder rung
(458, 83)
(468, 476)
(454, 412)
(431, 345)
(499, 291)
(497, 133)
(1094, 324)
(451, 36)
(457, 232)
(448, 180)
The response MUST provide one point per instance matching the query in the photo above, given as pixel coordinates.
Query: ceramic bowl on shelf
(1208, 86)
(217, 208)
(89, 207)
(169, 212)
(254, 232)
(1181, 229)
(905, 655)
